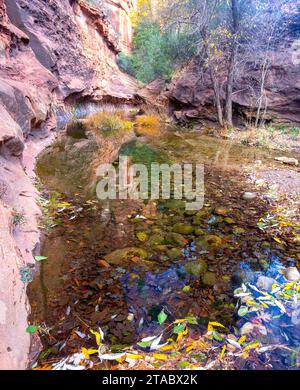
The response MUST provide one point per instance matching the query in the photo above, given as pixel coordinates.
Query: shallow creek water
(118, 264)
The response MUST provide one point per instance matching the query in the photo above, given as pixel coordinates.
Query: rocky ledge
(192, 96)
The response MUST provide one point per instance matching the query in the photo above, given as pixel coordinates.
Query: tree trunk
(216, 87)
(232, 61)
(262, 94)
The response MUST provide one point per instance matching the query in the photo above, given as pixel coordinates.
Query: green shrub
(295, 132)
(156, 53)
(125, 63)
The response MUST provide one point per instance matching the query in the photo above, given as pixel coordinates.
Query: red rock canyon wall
(51, 51)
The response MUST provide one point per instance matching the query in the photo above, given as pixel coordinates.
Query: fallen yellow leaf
(133, 356)
(160, 356)
(88, 352)
(166, 348)
(97, 335)
(223, 352)
(212, 323)
(251, 346)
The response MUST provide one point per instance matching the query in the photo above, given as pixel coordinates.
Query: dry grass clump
(109, 124)
(278, 137)
(148, 125)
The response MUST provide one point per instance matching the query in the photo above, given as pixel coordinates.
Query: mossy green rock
(265, 245)
(196, 268)
(142, 236)
(172, 204)
(177, 239)
(209, 279)
(229, 221)
(183, 229)
(209, 242)
(174, 253)
(199, 218)
(197, 221)
(264, 264)
(160, 248)
(156, 239)
(190, 213)
(199, 232)
(119, 256)
(156, 230)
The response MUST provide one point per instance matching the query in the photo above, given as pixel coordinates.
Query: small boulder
(209, 279)
(288, 161)
(265, 283)
(120, 256)
(103, 264)
(251, 329)
(177, 239)
(183, 229)
(142, 236)
(196, 268)
(199, 232)
(292, 274)
(249, 195)
(241, 276)
(174, 253)
(221, 211)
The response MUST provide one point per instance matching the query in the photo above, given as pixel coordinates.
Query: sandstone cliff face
(119, 14)
(192, 96)
(75, 42)
(52, 52)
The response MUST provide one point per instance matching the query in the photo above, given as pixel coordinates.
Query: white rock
(130, 317)
(292, 274)
(265, 283)
(287, 160)
(249, 328)
(249, 195)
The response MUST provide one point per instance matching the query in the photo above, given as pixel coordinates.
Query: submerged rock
(156, 239)
(209, 279)
(103, 264)
(209, 242)
(265, 283)
(183, 229)
(174, 253)
(199, 232)
(142, 236)
(241, 276)
(221, 211)
(178, 239)
(119, 256)
(198, 218)
(292, 274)
(196, 268)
